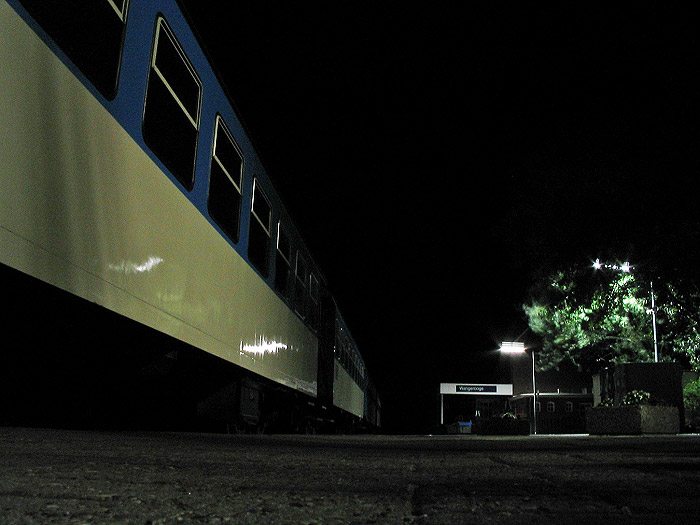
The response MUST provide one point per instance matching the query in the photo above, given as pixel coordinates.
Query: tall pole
(626, 267)
(442, 409)
(534, 397)
(653, 317)
(519, 348)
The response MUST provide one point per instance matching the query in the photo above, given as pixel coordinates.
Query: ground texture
(59, 476)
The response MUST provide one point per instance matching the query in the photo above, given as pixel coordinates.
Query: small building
(562, 395)
(557, 412)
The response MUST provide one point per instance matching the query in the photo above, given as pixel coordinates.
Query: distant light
(513, 347)
(625, 267)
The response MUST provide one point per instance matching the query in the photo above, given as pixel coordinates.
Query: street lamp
(653, 317)
(627, 268)
(515, 347)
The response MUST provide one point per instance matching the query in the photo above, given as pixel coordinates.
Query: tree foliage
(691, 400)
(595, 318)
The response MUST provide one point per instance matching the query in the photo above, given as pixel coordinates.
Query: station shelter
(463, 402)
(561, 397)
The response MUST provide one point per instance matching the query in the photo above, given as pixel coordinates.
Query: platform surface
(62, 476)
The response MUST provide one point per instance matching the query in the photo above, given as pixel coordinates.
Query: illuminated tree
(595, 318)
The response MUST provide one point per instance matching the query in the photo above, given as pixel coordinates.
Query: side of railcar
(353, 394)
(133, 204)
(373, 414)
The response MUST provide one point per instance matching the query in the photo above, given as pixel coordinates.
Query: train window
(119, 7)
(356, 368)
(313, 288)
(300, 287)
(90, 32)
(314, 295)
(171, 115)
(348, 357)
(225, 181)
(284, 262)
(344, 354)
(259, 237)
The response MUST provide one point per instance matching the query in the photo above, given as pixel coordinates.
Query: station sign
(490, 389)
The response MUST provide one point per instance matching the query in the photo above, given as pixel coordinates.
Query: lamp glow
(625, 267)
(514, 347)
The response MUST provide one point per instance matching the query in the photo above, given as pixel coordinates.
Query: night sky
(438, 160)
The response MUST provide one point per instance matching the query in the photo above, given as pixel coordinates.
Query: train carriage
(150, 268)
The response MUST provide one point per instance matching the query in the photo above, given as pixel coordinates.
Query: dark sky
(438, 160)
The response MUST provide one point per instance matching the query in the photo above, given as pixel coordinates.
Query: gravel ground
(59, 476)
